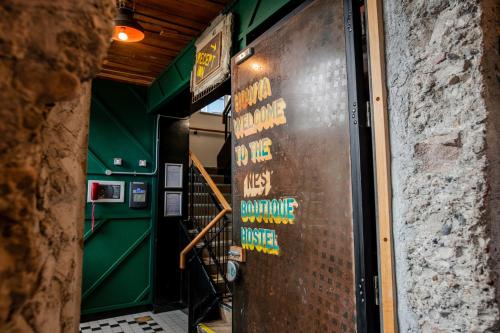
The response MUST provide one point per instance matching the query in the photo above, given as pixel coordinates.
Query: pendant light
(126, 28)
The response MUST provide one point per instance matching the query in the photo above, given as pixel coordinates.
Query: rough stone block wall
(443, 101)
(49, 52)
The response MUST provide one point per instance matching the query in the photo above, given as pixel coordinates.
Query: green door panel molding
(249, 15)
(118, 254)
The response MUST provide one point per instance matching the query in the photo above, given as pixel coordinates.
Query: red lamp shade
(126, 28)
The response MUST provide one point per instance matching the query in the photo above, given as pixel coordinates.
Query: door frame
(362, 176)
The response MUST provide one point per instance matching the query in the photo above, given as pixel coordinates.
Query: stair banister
(222, 201)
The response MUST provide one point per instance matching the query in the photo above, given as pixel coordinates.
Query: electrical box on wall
(105, 191)
(138, 196)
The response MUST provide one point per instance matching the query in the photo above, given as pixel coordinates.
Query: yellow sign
(208, 58)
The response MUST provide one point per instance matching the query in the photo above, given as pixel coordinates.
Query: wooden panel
(382, 164)
(169, 27)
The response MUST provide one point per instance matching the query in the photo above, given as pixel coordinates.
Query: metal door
(292, 184)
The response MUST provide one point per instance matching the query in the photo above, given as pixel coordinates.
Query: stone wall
(49, 52)
(444, 125)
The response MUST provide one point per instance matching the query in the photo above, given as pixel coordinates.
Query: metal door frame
(363, 198)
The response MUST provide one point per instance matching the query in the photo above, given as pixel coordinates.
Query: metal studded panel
(292, 182)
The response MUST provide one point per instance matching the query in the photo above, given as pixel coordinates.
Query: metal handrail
(225, 115)
(222, 201)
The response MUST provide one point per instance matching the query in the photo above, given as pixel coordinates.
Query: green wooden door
(117, 263)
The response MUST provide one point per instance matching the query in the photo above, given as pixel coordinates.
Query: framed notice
(172, 204)
(173, 175)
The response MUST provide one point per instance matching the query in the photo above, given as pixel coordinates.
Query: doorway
(302, 177)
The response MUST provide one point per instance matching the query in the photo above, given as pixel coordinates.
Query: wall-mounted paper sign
(173, 204)
(173, 175)
(213, 56)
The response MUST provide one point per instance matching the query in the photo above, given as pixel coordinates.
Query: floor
(168, 322)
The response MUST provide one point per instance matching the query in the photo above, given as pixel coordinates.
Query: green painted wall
(117, 264)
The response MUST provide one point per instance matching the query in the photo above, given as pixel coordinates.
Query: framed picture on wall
(173, 175)
(173, 204)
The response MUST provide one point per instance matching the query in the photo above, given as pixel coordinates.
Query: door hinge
(375, 288)
(362, 290)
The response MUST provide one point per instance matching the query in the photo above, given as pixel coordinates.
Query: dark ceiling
(169, 26)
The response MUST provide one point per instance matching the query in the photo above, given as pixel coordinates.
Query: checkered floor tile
(167, 322)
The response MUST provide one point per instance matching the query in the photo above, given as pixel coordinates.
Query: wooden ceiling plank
(137, 61)
(202, 7)
(154, 39)
(135, 66)
(200, 12)
(167, 24)
(127, 74)
(133, 48)
(124, 79)
(162, 31)
(166, 38)
(207, 4)
(169, 17)
(148, 71)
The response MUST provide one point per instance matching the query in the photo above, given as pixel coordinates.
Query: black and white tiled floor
(166, 322)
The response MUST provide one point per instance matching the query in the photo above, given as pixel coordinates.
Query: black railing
(214, 247)
(226, 120)
(224, 155)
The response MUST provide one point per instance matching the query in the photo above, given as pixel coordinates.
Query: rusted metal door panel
(292, 178)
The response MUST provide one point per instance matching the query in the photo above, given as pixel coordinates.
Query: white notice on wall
(173, 204)
(173, 175)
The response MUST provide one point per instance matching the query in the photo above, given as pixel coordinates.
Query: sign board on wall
(208, 59)
(213, 52)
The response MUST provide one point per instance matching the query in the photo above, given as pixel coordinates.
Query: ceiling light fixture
(126, 28)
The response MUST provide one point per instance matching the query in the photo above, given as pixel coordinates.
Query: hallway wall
(45, 95)
(206, 145)
(443, 97)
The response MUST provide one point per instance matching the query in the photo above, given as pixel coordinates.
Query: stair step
(228, 228)
(212, 170)
(221, 242)
(220, 185)
(199, 219)
(209, 261)
(203, 204)
(217, 278)
(226, 194)
(218, 326)
(218, 179)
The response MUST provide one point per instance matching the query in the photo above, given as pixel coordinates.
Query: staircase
(208, 233)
